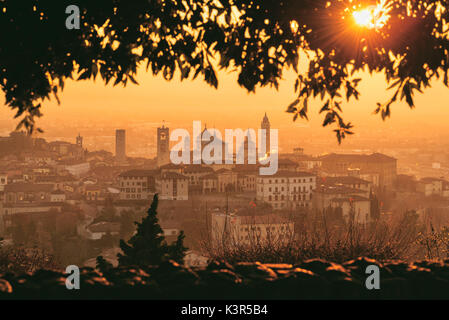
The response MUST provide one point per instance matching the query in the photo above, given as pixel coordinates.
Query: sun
(364, 18)
(372, 17)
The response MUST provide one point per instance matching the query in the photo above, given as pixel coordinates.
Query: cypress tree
(177, 251)
(148, 245)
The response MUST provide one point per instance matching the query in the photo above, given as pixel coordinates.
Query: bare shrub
(316, 237)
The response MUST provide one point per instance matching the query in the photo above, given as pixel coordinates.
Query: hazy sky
(155, 99)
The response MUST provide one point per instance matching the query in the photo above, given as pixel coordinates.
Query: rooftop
(343, 180)
(374, 157)
(290, 174)
(139, 173)
(28, 187)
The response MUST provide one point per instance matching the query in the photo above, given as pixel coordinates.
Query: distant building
(25, 192)
(265, 124)
(227, 180)
(92, 192)
(66, 150)
(286, 189)
(79, 141)
(347, 181)
(285, 164)
(76, 167)
(3, 181)
(430, 186)
(57, 196)
(163, 147)
(303, 161)
(353, 208)
(195, 172)
(379, 164)
(137, 184)
(232, 230)
(209, 183)
(354, 203)
(172, 186)
(120, 145)
(246, 177)
(406, 183)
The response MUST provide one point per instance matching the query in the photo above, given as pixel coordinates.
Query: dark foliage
(312, 279)
(148, 246)
(38, 54)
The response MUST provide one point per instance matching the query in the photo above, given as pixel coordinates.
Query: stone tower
(266, 125)
(79, 141)
(120, 145)
(163, 148)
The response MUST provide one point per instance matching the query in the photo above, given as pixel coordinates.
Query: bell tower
(163, 150)
(79, 141)
(266, 125)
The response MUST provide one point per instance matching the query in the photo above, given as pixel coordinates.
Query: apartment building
(286, 189)
(172, 186)
(137, 184)
(233, 230)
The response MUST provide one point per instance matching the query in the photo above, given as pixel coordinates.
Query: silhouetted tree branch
(259, 39)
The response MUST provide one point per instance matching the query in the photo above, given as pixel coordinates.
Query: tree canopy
(408, 43)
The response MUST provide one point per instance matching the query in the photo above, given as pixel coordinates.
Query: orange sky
(155, 99)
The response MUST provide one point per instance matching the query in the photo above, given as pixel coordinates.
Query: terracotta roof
(430, 179)
(337, 190)
(287, 162)
(375, 157)
(139, 173)
(291, 174)
(171, 166)
(344, 180)
(197, 168)
(172, 175)
(28, 187)
(54, 178)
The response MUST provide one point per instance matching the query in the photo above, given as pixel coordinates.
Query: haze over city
(97, 110)
(339, 190)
